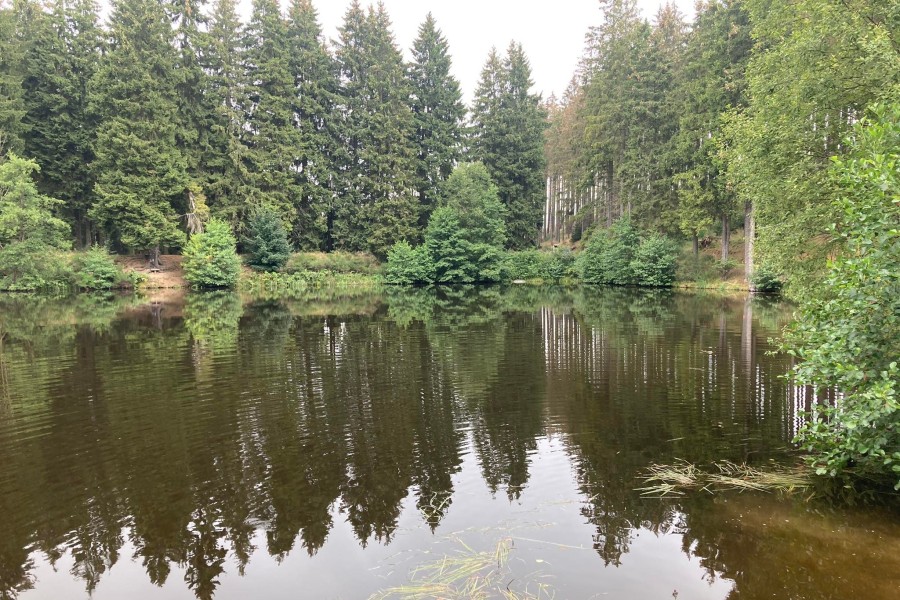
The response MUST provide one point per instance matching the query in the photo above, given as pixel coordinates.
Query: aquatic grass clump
(678, 478)
(465, 575)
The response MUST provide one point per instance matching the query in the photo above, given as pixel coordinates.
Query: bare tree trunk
(154, 258)
(726, 236)
(749, 241)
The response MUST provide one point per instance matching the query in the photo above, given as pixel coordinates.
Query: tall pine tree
(272, 139)
(223, 171)
(509, 123)
(438, 111)
(141, 174)
(58, 66)
(379, 205)
(315, 102)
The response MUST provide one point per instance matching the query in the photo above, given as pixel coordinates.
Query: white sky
(552, 33)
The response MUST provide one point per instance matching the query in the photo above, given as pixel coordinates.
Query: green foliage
(336, 262)
(266, 242)
(407, 265)
(654, 262)
(820, 64)
(508, 137)
(438, 113)
(32, 265)
(210, 258)
(608, 254)
(848, 338)
(141, 172)
(539, 264)
(25, 213)
(95, 269)
(376, 204)
(766, 280)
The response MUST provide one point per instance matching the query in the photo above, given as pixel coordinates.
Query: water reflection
(196, 436)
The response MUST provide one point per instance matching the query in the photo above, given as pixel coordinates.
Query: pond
(465, 442)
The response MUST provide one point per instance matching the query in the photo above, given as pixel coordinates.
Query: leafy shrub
(848, 338)
(266, 242)
(95, 269)
(336, 262)
(524, 265)
(560, 265)
(407, 265)
(33, 265)
(210, 258)
(726, 267)
(654, 262)
(608, 254)
(538, 264)
(766, 280)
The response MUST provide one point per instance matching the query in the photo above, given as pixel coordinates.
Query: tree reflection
(186, 435)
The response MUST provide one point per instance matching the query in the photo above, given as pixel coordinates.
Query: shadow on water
(218, 432)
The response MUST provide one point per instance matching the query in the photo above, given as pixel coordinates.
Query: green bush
(266, 242)
(524, 265)
(766, 280)
(654, 262)
(848, 337)
(95, 269)
(407, 265)
(210, 258)
(608, 254)
(336, 262)
(33, 265)
(560, 265)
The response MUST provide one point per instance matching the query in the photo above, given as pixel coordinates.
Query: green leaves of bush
(849, 337)
(617, 256)
(95, 269)
(210, 258)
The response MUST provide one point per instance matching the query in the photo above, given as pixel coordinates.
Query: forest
(175, 126)
(143, 127)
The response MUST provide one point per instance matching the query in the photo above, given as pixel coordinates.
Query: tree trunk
(726, 237)
(695, 245)
(154, 258)
(749, 241)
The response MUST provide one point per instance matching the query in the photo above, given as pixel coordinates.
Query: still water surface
(229, 447)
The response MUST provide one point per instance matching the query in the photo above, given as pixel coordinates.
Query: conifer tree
(272, 140)
(509, 125)
(223, 174)
(315, 89)
(711, 83)
(380, 206)
(141, 174)
(58, 65)
(438, 111)
(12, 105)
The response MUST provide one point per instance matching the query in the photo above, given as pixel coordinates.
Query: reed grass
(678, 478)
(466, 575)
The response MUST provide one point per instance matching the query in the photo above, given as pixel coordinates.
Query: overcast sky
(552, 33)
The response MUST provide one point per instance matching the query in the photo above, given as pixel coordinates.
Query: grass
(466, 575)
(676, 479)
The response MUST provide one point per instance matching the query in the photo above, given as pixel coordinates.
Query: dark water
(222, 446)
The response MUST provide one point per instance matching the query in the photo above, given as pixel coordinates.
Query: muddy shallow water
(229, 447)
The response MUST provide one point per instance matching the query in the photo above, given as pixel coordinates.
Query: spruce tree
(12, 105)
(315, 88)
(380, 206)
(58, 65)
(438, 112)
(273, 142)
(509, 125)
(223, 172)
(141, 174)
